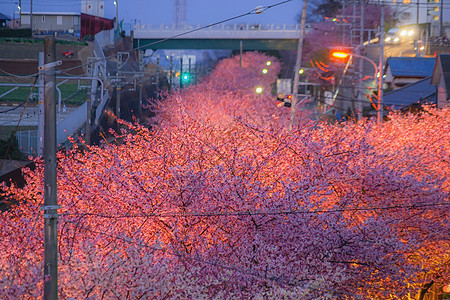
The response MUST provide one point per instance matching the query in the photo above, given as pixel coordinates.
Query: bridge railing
(262, 27)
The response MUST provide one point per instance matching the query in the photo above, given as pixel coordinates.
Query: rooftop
(411, 66)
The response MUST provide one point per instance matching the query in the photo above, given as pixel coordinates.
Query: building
(4, 19)
(411, 95)
(401, 71)
(435, 13)
(91, 25)
(441, 78)
(93, 7)
(51, 21)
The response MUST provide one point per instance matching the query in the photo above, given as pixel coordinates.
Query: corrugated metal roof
(417, 92)
(411, 66)
(4, 17)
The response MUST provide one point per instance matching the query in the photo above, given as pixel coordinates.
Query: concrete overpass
(225, 37)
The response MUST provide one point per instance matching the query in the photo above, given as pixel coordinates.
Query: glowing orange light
(339, 54)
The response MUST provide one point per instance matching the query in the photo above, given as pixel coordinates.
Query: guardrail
(252, 27)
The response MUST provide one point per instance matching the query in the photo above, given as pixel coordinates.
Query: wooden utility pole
(50, 197)
(298, 64)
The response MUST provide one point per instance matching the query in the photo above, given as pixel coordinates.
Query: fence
(75, 122)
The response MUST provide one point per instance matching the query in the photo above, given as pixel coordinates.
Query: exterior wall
(399, 82)
(93, 7)
(51, 22)
(442, 97)
(91, 25)
(422, 11)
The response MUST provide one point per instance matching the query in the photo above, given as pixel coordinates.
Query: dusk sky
(162, 11)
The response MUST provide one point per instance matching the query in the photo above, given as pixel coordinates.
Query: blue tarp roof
(421, 91)
(4, 17)
(411, 66)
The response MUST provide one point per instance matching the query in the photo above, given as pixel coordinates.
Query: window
(406, 1)
(59, 20)
(435, 18)
(436, 8)
(75, 20)
(43, 19)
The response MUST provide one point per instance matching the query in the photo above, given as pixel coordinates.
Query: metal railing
(252, 27)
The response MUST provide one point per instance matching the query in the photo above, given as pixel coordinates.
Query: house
(401, 71)
(441, 78)
(4, 19)
(51, 21)
(411, 95)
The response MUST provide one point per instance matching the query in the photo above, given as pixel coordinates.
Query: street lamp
(344, 55)
(116, 4)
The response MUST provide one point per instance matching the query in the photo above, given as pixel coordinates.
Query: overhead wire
(216, 263)
(257, 213)
(251, 12)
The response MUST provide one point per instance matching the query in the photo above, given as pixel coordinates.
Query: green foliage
(25, 40)
(8, 32)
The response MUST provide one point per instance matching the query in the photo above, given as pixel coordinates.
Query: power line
(257, 10)
(216, 263)
(257, 213)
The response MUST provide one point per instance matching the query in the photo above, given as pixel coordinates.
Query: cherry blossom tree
(219, 200)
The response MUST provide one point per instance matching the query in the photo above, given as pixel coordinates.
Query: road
(403, 49)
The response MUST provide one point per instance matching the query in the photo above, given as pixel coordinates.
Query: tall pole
(31, 16)
(20, 14)
(41, 115)
(88, 117)
(297, 65)
(50, 196)
(361, 63)
(117, 13)
(441, 21)
(240, 53)
(118, 90)
(380, 68)
(418, 13)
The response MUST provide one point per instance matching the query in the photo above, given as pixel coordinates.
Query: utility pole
(380, 68)
(118, 90)
(298, 65)
(240, 53)
(31, 17)
(361, 63)
(41, 116)
(141, 77)
(20, 14)
(88, 117)
(50, 197)
(441, 21)
(116, 2)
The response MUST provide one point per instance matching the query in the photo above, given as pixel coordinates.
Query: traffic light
(185, 79)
